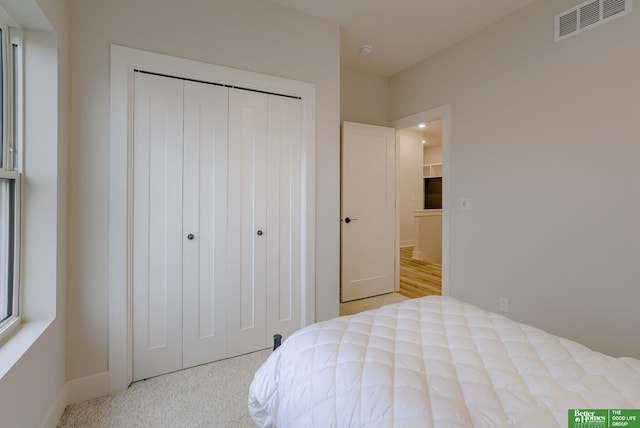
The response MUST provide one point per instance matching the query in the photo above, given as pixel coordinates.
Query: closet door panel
(205, 217)
(157, 226)
(247, 228)
(284, 216)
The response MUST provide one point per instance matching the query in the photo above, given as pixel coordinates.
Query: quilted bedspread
(435, 362)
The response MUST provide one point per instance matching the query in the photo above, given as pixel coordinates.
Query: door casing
(123, 63)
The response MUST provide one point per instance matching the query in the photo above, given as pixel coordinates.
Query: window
(9, 191)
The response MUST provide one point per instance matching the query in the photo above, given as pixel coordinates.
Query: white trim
(13, 322)
(87, 388)
(426, 213)
(397, 237)
(12, 155)
(18, 100)
(6, 72)
(123, 62)
(19, 343)
(444, 113)
(56, 410)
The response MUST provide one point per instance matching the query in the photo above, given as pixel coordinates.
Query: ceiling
(403, 32)
(431, 132)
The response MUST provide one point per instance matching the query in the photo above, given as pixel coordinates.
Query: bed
(435, 362)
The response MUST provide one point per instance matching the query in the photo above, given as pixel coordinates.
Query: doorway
(440, 114)
(424, 254)
(420, 206)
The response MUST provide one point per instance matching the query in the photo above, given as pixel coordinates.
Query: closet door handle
(260, 233)
(190, 236)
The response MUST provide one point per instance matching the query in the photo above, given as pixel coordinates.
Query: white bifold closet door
(265, 219)
(204, 205)
(217, 222)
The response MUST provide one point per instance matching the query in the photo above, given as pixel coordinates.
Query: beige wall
(428, 237)
(554, 225)
(409, 182)
(251, 35)
(364, 97)
(32, 361)
(432, 154)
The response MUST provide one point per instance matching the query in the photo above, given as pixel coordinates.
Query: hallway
(418, 278)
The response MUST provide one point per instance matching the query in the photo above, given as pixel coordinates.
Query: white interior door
(204, 234)
(285, 277)
(179, 224)
(368, 210)
(247, 221)
(157, 226)
(218, 230)
(266, 236)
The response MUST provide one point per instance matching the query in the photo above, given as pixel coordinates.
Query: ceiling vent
(588, 15)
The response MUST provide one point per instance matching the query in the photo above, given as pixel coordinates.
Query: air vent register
(588, 15)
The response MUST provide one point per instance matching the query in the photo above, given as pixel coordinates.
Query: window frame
(7, 325)
(10, 170)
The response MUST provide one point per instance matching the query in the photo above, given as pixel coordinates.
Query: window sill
(14, 347)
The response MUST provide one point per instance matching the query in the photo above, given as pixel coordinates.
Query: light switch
(466, 204)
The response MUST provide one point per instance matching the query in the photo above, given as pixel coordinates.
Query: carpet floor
(208, 396)
(356, 306)
(211, 395)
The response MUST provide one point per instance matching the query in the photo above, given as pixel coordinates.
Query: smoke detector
(366, 50)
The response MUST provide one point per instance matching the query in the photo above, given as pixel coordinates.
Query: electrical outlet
(504, 304)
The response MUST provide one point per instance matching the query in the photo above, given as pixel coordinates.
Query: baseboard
(407, 243)
(55, 412)
(86, 388)
(76, 391)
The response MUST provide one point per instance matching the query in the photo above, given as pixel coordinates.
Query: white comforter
(435, 362)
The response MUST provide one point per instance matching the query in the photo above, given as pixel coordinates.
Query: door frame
(123, 63)
(444, 113)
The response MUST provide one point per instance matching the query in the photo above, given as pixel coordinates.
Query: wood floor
(418, 278)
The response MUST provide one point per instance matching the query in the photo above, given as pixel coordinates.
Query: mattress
(435, 362)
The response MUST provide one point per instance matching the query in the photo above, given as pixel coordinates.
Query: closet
(216, 221)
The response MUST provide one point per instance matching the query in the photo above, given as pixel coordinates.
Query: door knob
(349, 220)
(190, 237)
(260, 233)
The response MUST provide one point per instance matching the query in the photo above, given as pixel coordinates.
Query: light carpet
(356, 306)
(208, 396)
(212, 395)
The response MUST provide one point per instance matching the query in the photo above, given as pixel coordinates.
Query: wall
(364, 97)
(409, 182)
(429, 237)
(554, 226)
(432, 154)
(32, 389)
(251, 35)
